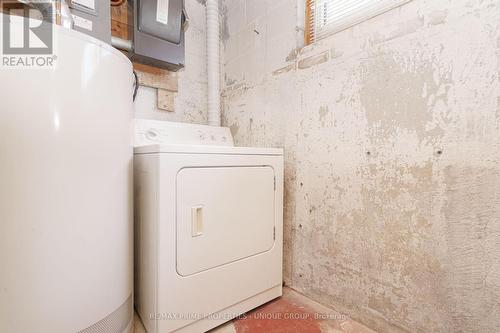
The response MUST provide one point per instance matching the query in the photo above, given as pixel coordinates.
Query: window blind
(326, 17)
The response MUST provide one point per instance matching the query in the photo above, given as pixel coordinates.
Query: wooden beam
(308, 23)
(156, 77)
(122, 21)
(165, 100)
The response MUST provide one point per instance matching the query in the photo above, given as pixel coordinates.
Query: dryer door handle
(196, 221)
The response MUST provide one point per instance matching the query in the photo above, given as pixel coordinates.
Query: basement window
(326, 17)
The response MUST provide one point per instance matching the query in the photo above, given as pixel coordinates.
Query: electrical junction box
(158, 33)
(92, 17)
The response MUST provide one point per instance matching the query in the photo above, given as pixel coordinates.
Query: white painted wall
(392, 138)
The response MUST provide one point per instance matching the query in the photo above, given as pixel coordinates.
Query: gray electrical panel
(92, 17)
(158, 33)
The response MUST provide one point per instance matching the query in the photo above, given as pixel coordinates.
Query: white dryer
(208, 226)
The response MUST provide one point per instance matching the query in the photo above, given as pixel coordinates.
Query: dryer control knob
(152, 135)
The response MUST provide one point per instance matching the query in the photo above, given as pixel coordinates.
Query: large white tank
(66, 192)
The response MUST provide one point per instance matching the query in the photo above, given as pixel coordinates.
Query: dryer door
(224, 214)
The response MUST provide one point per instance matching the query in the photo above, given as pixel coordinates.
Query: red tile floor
(292, 313)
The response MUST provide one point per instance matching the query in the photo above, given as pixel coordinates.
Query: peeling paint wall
(190, 103)
(391, 132)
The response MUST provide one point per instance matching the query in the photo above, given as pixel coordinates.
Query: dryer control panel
(150, 132)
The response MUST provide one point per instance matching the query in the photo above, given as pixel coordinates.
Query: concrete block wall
(391, 132)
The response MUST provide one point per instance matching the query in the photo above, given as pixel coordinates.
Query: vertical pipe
(213, 65)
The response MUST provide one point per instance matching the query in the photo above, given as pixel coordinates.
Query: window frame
(355, 18)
